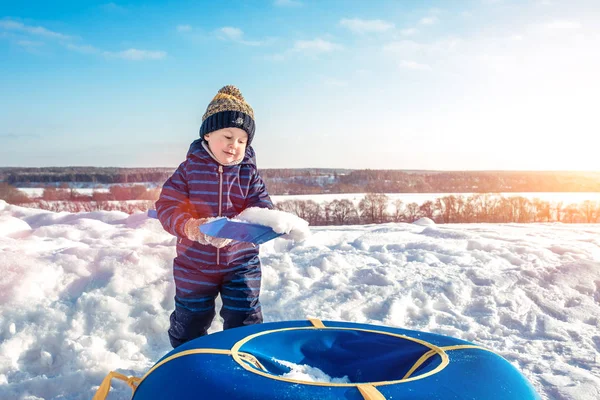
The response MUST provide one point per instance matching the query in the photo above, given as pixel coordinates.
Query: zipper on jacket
(220, 205)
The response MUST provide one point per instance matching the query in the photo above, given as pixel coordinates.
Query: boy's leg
(194, 305)
(187, 325)
(239, 292)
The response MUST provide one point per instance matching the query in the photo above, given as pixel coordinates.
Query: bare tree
(542, 210)
(373, 207)
(399, 214)
(589, 211)
(305, 209)
(343, 212)
(412, 212)
(448, 207)
(504, 211)
(521, 209)
(558, 211)
(571, 213)
(483, 206)
(468, 210)
(427, 209)
(12, 195)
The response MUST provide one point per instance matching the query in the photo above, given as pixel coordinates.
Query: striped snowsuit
(200, 188)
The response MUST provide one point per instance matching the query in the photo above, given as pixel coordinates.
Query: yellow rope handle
(252, 360)
(104, 388)
(431, 353)
(134, 382)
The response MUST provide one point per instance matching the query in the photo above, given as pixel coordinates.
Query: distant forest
(317, 181)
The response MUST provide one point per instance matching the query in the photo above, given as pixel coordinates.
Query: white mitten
(192, 231)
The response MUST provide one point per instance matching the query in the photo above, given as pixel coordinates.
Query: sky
(85, 294)
(438, 85)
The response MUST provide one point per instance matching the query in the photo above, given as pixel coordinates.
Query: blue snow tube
(380, 362)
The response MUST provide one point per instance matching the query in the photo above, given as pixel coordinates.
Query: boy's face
(227, 144)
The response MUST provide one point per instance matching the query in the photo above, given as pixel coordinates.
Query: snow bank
(84, 294)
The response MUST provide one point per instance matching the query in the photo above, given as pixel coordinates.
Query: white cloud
(433, 49)
(287, 3)
(30, 46)
(84, 49)
(130, 54)
(315, 46)
(408, 31)
(361, 26)
(32, 30)
(231, 33)
(407, 64)
(562, 25)
(403, 46)
(137, 55)
(184, 28)
(276, 57)
(428, 20)
(112, 7)
(236, 35)
(335, 82)
(29, 43)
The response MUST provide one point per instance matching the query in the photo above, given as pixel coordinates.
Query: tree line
(90, 175)
(64, 193)
(372, 208)
(319, 180)
(376, 208)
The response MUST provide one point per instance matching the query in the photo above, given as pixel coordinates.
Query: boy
(219, 178)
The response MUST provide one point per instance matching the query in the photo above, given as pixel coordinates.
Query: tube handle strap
(134, 382)
(317, 323)
(104, 388)
(370, 392)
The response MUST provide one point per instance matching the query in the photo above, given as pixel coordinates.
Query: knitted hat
(228, 109)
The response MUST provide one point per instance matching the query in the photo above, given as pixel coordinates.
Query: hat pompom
(232, 91)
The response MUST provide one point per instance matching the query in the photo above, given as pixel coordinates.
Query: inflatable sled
(380, 362)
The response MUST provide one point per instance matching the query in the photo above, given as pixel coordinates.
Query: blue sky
(439, 85)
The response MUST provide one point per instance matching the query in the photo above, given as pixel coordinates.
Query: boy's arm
(173, 207)
(257, 195)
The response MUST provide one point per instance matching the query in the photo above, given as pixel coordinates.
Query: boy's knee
(187, 325)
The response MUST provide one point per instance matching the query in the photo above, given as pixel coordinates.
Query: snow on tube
(381, 362)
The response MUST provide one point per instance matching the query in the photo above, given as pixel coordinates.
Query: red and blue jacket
(202, 188)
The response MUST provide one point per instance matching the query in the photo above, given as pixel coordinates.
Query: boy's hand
(192, 231)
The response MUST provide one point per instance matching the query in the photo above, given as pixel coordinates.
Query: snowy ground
(84, 294)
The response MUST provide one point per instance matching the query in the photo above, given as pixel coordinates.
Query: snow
(87, 293)
(292, 226)
(307, 373)
(424, 221)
